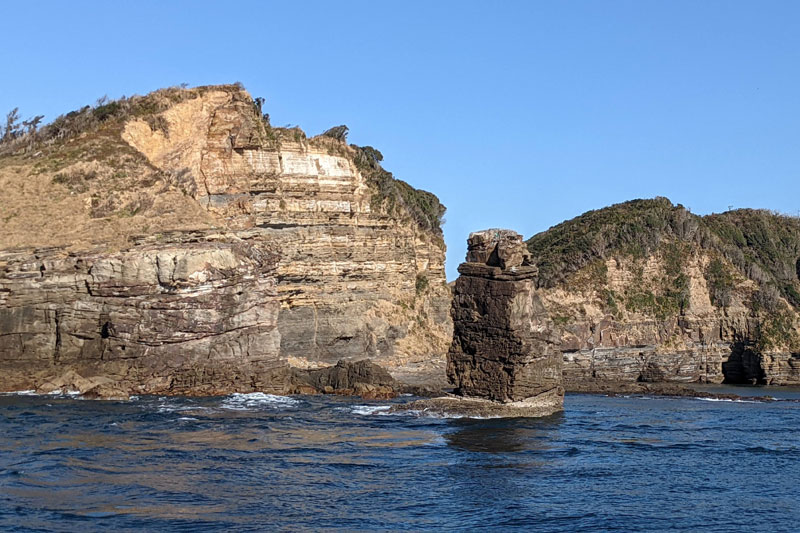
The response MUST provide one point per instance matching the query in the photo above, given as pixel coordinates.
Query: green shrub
(109, 110)
(397, 196)
(421, 283)
(721, 283)
(634, 228)
(763, 246)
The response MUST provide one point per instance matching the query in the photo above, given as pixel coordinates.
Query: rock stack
(504, 359)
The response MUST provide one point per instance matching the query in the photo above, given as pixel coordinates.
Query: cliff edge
(182, 222)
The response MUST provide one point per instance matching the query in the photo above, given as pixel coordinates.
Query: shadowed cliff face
(181, 316)
(646, 291)
(350, 275)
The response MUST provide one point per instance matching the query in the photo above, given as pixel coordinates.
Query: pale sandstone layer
(343, 275)
(348, 274)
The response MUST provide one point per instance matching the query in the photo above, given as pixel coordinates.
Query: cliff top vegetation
(82, 153)
(762, 245)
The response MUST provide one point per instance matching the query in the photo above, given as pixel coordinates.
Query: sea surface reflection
(261, 462)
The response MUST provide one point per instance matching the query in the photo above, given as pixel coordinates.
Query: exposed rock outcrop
(357, 277)
(173, 317)
(363, 378)
(504, 359)
(177, 243)
(646, 291)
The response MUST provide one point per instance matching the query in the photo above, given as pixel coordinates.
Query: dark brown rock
(363, 378)
(505, 348)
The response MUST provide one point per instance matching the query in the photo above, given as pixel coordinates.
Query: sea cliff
(647, 291)
(177, 241)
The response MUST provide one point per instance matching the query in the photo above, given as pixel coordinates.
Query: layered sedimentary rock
(646, 291)
(181, 316)
(287, 253)
(504, 359)
(354, 281)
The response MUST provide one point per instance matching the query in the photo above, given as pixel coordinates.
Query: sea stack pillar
(505, 347)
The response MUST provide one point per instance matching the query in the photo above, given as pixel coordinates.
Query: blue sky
(516, 114)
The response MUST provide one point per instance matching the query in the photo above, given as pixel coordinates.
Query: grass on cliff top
(93, 134)
(753, 244)
(637, 228)
(394, 194)
(104, 117)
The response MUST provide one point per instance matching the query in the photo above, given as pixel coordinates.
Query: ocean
(256, 462)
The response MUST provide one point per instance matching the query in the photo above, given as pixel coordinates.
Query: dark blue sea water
(261, 463)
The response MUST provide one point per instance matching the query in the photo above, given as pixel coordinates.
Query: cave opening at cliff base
(743, 366)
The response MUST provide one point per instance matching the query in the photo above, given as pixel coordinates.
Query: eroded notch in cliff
(57, 349)
(743, 366)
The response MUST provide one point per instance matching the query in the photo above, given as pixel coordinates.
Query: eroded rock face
(182, 245)
(363, 378)
(353, 281)
(505, 349)
(700, 343)
(185, 316)
(647, 291)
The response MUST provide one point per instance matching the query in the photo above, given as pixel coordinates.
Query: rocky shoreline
(616, 388)
(187, 247)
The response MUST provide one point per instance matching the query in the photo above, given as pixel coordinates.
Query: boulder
(362, 378)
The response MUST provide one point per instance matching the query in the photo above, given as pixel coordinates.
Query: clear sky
(516, 114)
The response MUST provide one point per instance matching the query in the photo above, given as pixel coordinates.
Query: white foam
(61, 392)
(57, 392)
(172, 408)
(370, 409)
(444, 416)
(255, 400)
(187, 418)
(726, 400)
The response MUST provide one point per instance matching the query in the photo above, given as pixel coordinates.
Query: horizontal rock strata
(354, 280)
(174, 317)
(701, 344)
(202, 251)
(647, 291)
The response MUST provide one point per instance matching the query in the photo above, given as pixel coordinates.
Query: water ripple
(257, 462)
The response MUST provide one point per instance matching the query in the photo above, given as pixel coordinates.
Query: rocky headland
(177, 243)
(646, 291)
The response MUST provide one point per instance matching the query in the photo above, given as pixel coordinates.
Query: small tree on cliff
(30, 128)
(12, 126)
(338, 132)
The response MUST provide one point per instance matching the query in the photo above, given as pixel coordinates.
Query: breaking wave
(256, 400)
